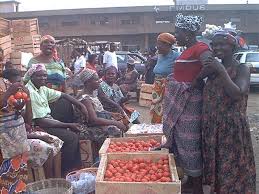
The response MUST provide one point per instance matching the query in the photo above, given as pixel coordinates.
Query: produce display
(138, 170)
(133, 146)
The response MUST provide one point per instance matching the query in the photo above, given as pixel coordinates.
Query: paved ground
(252, 112)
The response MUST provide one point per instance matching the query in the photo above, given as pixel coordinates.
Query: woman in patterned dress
(163, 68)
(183, 102)
(229, 165)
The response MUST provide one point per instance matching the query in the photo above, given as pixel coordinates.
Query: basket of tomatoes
(132, 144)
(135, 173)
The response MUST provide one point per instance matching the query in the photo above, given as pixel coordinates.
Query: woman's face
(163, 47)
(39, 78)
(111, 75)
(94, 82)
(47, 46)
(221, 48)
(181, 37)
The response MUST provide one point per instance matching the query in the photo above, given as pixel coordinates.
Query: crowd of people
(199, 95)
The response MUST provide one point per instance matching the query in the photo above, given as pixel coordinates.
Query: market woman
(163, 68)
(112, 97)
(183, 102)
(55, 69)
(13, 140)
(229, 165)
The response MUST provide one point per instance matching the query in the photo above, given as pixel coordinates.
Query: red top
(91, 66)
(188, 65)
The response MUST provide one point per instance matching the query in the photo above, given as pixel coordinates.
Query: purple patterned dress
(229, 165)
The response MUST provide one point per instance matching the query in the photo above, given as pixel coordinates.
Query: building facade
(137, 27)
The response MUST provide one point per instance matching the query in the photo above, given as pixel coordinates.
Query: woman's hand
(75, 127)
(156, 101)
(47, 139)
(213, 66)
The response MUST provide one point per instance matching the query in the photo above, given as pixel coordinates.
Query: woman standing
(229, 165)
(163, 68)
(55, 69)
(183, 102)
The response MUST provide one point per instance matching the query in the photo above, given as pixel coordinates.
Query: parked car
(124, 56)
(251, 59)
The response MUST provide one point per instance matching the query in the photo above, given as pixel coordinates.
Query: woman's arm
(76, 103)
(238, 87)
(95, 121)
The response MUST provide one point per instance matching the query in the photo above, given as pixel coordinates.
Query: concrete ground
(253, 115)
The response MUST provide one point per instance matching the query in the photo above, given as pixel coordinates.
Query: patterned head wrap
(34, 68)
(227, 36)
(47, 37)
(167, 38)
(87, 74)
(190, 23)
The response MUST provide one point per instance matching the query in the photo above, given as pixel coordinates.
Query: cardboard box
(160, 138)
(144, 130)
(86, 153)
(105, 187)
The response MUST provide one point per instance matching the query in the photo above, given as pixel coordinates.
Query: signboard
(188, 8)
(191, 2)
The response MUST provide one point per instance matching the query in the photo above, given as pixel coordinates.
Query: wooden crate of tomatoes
(132, 144)
(137, 173)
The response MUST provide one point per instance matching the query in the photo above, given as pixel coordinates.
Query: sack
(13, 136)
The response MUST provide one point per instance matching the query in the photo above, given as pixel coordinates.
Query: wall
(7, 7)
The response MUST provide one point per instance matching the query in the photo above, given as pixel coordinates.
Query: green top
(40, 99)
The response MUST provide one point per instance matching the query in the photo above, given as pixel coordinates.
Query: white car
(250, 58)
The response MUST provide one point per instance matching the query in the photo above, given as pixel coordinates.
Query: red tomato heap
(138, 170)
(132, 146)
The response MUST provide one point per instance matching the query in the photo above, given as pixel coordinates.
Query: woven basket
(77, 173)
(50, 186)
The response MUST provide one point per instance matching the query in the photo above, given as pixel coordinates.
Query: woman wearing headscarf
(55, 68)
(128, 82)
(163, 68)
(229, 165)
(183, 101)
(41, 96)
(100, 122)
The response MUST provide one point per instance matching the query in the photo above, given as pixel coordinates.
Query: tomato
(24, 96)
(108, 174)
(18, 95)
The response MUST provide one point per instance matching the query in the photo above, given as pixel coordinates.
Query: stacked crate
(145, 97)
(26, 36)
(5, 39)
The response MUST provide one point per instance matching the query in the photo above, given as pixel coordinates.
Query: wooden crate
(25, 27)
(105, 187)
(5, 27)
(145, 96)
(27, 40)
(6, 45)
(144, 130)
(86, 153)
(106, 144)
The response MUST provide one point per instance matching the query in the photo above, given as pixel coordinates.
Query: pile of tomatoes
(138, 170)
(132, 146)
(18, 99)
